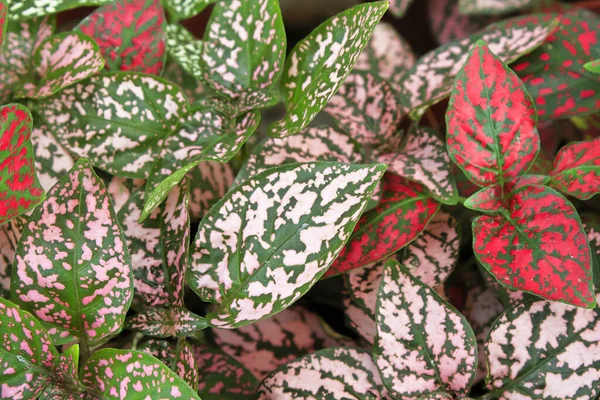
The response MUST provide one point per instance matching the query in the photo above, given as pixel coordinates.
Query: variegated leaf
(72, 268)
(174, 321)
(3, 19)
(26, 9)
(424, 159)
(60, 61)
(593, 66)
(494, 7)
(185, 365)
(491, 121)
(423, 344)
(159, 348)
(358, 319)
(321, 143)
(204, 135)
(209, 182)
(20, 189)
(490, 200)
(10, 234)
(116, 120)
(194, 90)
(398, 7)
(591, 224)
(554, 74)
(363, 284)
(65, 383)
(52, 160)
(448, 24)
(244, 51)
(272, 237)
(431, 79)
(320, 63)
(400, 217)
(264, 346)
(185, 49)
(544, 350)
(222, 377)
(336, 374)
(538, 245)
(184, 9)
(365, 107)
(114, 374)
(130, 34)
(576, 169)
(508, 297)
(387, 55)
(27, 355)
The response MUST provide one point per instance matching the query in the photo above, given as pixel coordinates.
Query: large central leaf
(273, 236)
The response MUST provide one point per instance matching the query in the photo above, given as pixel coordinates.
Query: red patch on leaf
(576, 169)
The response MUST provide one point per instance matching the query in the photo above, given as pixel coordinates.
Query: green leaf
(26, 9)
(544, 350)
(52, 160)
(174, 321)
(423, 344)
(185, 49)
(10, 234)
(334, 374)
(185, 365)
(321, 143)
(222, 377)
(127, 374)
(244, 51)
(72, 267)
(27, 355)
(487, 7)
(319, 64)
(593, 66)
(272, 237)
(60, 61)
(398, 7)
(116, 120)
(205, 134)
(20, 189)
(184, 9)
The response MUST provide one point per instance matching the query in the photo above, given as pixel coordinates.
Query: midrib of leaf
(75, 275)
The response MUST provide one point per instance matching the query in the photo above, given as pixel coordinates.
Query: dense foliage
(239, 218)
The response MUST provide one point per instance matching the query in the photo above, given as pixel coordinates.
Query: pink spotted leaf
(423, 344)
(166, 322)
(359, 320)
(52, 160)
(209, 182)
(576, 169)
(72, 268)
(130, 34)
(493, 7)
(184, 364)
(491, 121)
(537, 245)
(65, 382)
(10, 234)
(20, 189)
(401, 216)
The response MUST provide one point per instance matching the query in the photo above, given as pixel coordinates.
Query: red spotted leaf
(3, 19)
(403, 213)
(491, 121)
(576, 169)
(27, 355)
(554, 74)
(423, 344)
(130, 34)
(20, 189)
(72, 268)
(490, 199)
(537, 245)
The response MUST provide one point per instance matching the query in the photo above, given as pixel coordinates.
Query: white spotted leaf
(204, 135)
(244, 51)
(272, 237)
(209, 181)
(335, 374)
(493, 7)
(26, 9)
(319, 64)
(184, 9)
(112, 374)
(115, 120)
(544, 350)
(52, 160)
(72, 268)
(185, 49)
(60, 61)
(423, 345)
(27, 354)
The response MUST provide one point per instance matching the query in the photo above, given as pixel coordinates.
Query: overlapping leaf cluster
(239, 218)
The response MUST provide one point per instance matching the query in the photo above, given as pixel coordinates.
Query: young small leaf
(167, 322)
(537, 245)
(491, 121)
(20, 189)
(272, 237)
(72, 267)
(576, 169)
(184, 364)
(400, 217)
(116, 120)
(27, 355)
(130, 34)
(336, 374)
(423, 345)
(592, 66)
(544, 350)
(424, 160)
(319, 64)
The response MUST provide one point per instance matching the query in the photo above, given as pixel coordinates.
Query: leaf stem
(461, 200)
